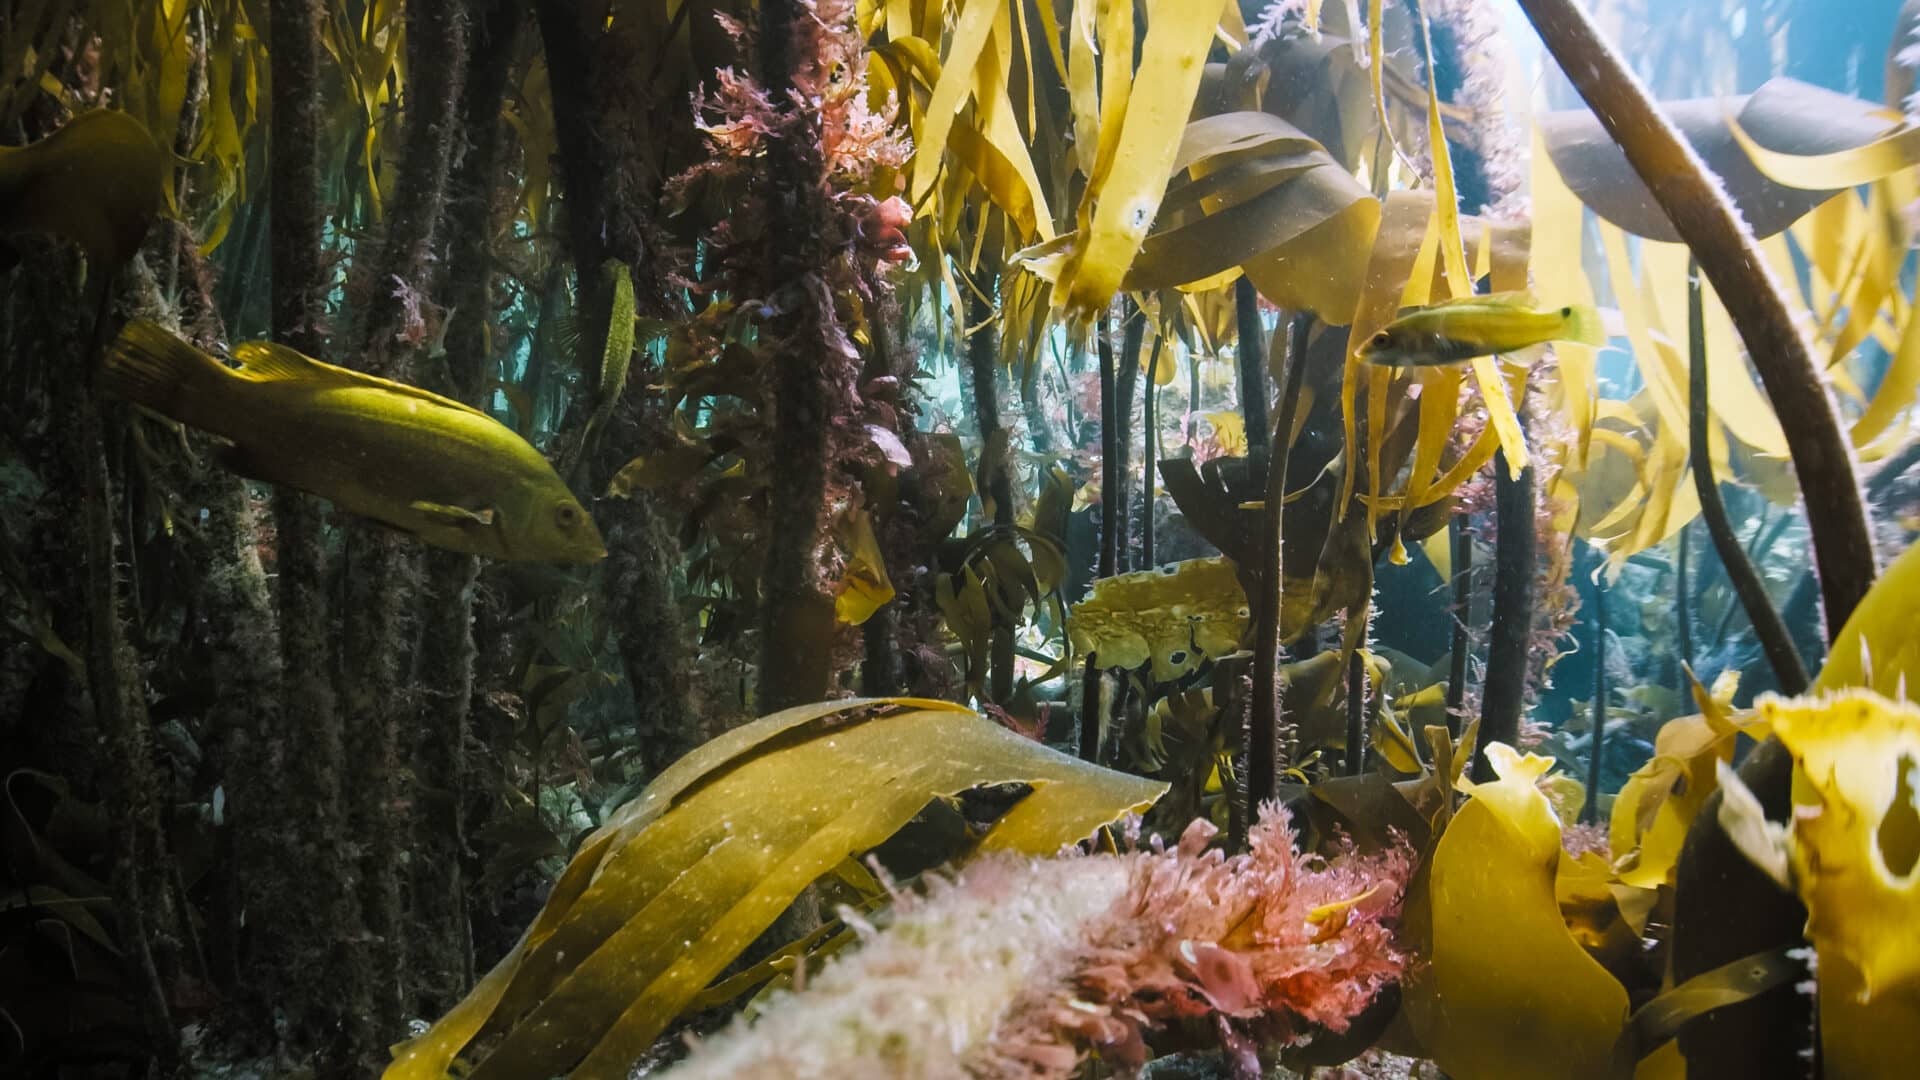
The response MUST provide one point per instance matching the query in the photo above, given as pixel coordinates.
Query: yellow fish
(1456, 330)
(449, 474)
(99, 181)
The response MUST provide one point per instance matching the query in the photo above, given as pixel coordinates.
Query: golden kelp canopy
(1174, 616)
(667, 893)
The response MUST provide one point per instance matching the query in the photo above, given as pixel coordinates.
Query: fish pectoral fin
(454, 515)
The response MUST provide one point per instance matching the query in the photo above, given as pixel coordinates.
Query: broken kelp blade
(1852, 844)
(1785, 115)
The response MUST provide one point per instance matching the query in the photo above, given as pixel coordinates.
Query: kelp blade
(679, 881)
(1506, 991)
(1877, 647)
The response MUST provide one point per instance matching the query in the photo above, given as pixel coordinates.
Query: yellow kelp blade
(1898, 149)
(1877, 648)
(955, 85)
(1855, 841)
(1736, 401)
(1897, 388)
(1376, 67)
(865, 586)
(1559, 231)
(1657, 804)
(1083, 82)
(993, 111)
(1506, 991)
(1453, 257)
(962, 599)
(1655, 1023)
(665, 895)
(1126, 191)
(1611, 488)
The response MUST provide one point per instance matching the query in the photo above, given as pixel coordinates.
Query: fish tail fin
(1584, 326)
(151, 366)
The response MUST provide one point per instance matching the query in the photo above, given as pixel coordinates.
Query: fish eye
(1381, 340)
(1566, 313)
(568, 515)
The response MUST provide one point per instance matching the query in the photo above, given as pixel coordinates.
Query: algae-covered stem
(589, 81)
(983, 360)
(1090, 709)
(1712, 229)
(116, 686)
(796, 614)
(440, 948)
(1264, 718)
(1503, 695)
(1109, 531)
(1683, 584)
(1149, 451)
(880, 635)
(1108, 564)
(1252, 353)
(1590, 811)
(384, 574)
(1788, 669)
(1356, 759)
(313, 903)
(1461, 540)
(1126, 374)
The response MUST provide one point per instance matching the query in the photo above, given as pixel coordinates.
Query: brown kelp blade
(1784, 115)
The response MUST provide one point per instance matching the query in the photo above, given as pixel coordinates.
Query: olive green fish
(447, 473)
(1456, 330)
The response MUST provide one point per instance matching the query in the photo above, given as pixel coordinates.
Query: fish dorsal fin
(1518, 298)
(264, 361)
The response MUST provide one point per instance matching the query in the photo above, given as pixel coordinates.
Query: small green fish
(1456, 330)
(449, 474)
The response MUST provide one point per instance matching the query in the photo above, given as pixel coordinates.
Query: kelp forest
(1009, 539)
